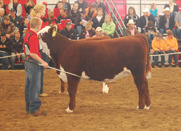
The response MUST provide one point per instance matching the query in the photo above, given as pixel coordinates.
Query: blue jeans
(156, 20)
(5, 61)
(79, 29)
(170, 57)
(178, 33)
(32, 86)
(13, 58)
(150, 37)
(156, 58)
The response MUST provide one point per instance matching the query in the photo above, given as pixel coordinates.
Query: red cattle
(101, 60)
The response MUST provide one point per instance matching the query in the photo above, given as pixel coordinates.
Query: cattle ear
(53, 31)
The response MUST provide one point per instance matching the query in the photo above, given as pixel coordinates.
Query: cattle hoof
(69, 111)
(147, 107)
(148, 75)
(105, 88)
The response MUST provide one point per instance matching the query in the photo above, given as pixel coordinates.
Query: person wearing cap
(82, 5)
(172, 6)
(98, 20)
(28, 6)
(17, 20)
(18, 7)
(1, 14)
(7, 27)
(69, 32)
(66, 6)
(158, 47)
(131, 30)
(145, 19)
(98, 32)
(166, 21)
(178, 25)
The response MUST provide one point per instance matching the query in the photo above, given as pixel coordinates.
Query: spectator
(17, 20)
(101, 4)
(154, 12)
(91, 11)
(7, 27)
(171, 46)
(178, 25)
(108, 27)
(87, 32)
(145, 19)
(2, 5)
(173, 7)
(82, 5)
(99, 19)
(131, 30)
(150, 31)
(98, 32)
(84, 18)
(131, 15)
(166, 21)
(69, 32)
(158, 48)
(5, 50)
(66, 6)
(1, 14)
(49, 19)
(18, 8)
(57, 8)
(46, 8)
(17, 43)
(28, 6)
(23, 27)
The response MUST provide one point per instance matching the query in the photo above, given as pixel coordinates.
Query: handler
(32, 69)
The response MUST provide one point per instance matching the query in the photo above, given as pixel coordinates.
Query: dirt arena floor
(115, 111)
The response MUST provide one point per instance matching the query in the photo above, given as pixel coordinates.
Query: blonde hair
(37, 9)
(88, 25)
(107, 15)
(35, 22)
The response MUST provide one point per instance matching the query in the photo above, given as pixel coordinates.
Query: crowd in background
(82, 21)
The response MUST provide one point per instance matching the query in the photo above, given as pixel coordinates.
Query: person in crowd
(2, 5)
(5, 50)
(23, 27)
(154, 12)
(33, 71)
(57, 9)
(16, 20)
(88, 31)
(166, 21)
(84, 18)
(131, 15)
(49, 19)
(172, 6)
(69, 32)
(28, 6)
(171, 46)
(131, 30)
(158, 47)
(1, 14)
(17, 48)
(18, 7)
(178, 25)
(150, 31)
(98, 32)
(145, 19)
(66, 6)
(98, 20)
(108, 27)
(46, 8)
(82, 5)
(101, 4)
(7, 27)
(91, 11)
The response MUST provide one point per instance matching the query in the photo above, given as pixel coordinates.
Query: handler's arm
(37, 58)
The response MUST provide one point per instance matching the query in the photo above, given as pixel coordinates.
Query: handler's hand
(44, 64)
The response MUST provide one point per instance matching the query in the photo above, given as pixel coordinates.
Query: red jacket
(56, 12)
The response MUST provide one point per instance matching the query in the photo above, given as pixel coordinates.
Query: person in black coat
(82, 5)
(23, 27)
(101, 4)
(99, 19)
(166, 22)
(17, 20)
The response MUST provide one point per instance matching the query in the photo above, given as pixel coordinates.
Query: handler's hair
(35, 22)
(37, 9)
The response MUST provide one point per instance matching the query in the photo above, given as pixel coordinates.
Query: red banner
(20, 1)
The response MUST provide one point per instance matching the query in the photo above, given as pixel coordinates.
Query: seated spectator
(23, 27)
(16, 20)
(98, 32)
(82, 5)
(101, 4)
(166, 21)
(18, 7)
(173, 7)
(17, 43)
(69, 32)
(28, 6)
(158, 48)
(46, 8)
(91, 12)
(131, 30)
(131, 15)
(88, 31)
(154, 12)
(1, 14)
(99, 19)
(49, 19)
(178, 25)
(2, 5)
(7, 27)
(84, 18)
(57, 8)
(171, 46)
(145, 19)
(150, 31)
(66, 6)
(5, 50)
(108, 27)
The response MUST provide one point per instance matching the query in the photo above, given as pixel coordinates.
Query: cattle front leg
(62, 88)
